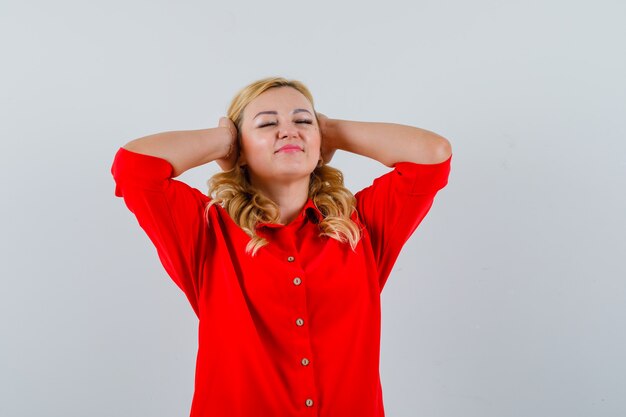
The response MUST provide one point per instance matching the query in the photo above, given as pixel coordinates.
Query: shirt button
(309, 402)
(305, 361)
(291, 258)
(300, 322)
(297, 281)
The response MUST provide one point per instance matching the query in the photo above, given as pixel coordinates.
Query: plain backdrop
(508, 301)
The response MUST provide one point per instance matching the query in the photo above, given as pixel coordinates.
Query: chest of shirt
(297, 270)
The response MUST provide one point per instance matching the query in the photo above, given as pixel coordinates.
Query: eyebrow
(275, 112)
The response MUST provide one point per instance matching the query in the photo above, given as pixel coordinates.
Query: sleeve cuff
(134, 169)
(422, 178)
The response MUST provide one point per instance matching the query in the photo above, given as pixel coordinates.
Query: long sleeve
(169, 211)
(395, 204)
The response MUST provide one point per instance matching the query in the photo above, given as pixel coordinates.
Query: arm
(171, 212)
(397, 202)
(186, 149)
(387, 143)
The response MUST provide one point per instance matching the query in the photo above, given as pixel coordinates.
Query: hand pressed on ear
(327, 151)
(228, 161)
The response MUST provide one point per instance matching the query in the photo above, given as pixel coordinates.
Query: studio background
(508, 301)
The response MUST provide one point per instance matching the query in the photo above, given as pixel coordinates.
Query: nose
(287, 132)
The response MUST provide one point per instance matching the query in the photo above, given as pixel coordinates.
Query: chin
(293, 174)
(296, 172)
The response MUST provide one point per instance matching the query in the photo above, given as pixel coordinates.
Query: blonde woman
(281, 263)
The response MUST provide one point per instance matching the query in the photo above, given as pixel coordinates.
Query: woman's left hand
(327, 151)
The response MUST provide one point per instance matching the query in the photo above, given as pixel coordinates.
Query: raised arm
(186, 149)
(388, 143)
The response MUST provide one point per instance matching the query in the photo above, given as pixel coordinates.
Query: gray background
(509, 300)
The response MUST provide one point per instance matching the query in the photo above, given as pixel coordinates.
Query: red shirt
(295, 330)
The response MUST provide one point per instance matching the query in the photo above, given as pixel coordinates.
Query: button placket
(304, 361)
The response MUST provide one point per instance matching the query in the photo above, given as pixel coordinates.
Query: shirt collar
(309, 210)
(312, 211)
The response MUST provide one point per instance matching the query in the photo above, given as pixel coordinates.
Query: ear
(242, 159)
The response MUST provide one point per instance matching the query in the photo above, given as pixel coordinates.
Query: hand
(327, 151)
(229, 161)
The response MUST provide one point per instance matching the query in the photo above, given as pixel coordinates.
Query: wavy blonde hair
(247, 206)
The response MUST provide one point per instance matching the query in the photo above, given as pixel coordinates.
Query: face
(280, 137)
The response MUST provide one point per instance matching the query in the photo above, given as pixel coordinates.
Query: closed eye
(305, 121)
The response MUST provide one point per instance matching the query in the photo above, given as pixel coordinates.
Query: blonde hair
(248, 207)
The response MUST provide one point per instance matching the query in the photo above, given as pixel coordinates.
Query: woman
(281, 263)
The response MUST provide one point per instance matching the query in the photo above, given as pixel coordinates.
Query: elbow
(441, 150)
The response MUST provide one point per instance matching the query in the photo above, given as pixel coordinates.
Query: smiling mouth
(289, 148)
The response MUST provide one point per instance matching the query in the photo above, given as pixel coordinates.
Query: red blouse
(295, 330)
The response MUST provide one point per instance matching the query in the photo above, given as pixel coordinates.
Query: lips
(289, 147)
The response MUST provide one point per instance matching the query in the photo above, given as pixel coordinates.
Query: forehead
(280, 99)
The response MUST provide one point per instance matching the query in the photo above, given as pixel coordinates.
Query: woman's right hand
(229, 161)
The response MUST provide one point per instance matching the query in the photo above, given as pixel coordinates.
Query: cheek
(244, 146)
(318, 143)
(250, 143)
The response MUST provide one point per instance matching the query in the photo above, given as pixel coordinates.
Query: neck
(290, 197)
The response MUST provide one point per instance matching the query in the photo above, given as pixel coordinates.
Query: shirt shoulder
(414, 178)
